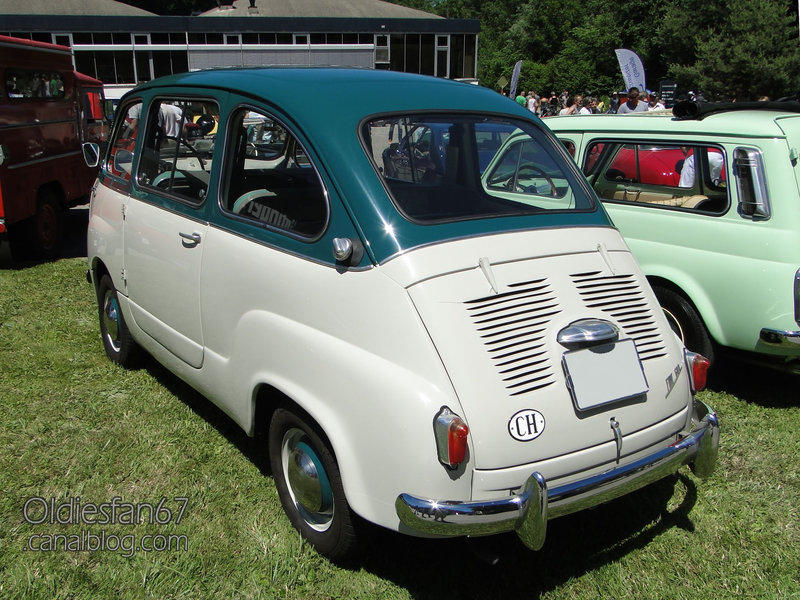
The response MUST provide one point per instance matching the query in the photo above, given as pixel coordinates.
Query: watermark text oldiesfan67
(74, 511)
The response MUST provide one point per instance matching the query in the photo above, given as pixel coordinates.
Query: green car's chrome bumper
(528, 511)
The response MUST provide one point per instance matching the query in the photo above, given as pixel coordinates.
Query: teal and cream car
(708, 200)
(461, 346)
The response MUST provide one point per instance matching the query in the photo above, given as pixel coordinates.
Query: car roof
(339, 93)
(740, 123)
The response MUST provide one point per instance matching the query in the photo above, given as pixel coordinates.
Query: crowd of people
(578, 104)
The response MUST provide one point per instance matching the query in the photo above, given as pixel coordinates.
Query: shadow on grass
(740, 376)
(500, 566)
(75, 223)
(253, 448)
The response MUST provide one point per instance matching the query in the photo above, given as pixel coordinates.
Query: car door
(165, 225)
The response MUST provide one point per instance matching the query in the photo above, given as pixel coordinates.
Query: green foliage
(742, 48)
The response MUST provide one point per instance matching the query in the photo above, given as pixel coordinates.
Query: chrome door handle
(190, 240)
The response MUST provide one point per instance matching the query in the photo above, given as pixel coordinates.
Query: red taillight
(698, 370)
(457, 441)
(451, 437)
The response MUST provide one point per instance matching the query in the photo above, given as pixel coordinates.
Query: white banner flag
(514, 80)
(632, 69)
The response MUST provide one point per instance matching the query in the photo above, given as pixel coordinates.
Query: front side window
(178, 147)
(690, 177)
(270, 180)
(441, 168)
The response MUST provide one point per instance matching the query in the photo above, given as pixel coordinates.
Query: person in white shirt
(653, 103)
(716, 163)
(170, 120)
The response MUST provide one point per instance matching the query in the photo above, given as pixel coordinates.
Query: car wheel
(685, 322)
(118, 342)
(49, 226)
(310, 486)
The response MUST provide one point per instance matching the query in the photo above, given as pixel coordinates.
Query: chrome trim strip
(779, 337)
(528, 511)
(38, 161)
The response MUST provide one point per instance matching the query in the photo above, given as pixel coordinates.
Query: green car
(707, 199)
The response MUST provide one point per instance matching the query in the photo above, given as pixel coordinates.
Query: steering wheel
(530, 171)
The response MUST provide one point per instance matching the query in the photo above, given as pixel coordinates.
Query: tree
(751, 50)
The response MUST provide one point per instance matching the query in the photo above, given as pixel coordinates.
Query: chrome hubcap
(111, 318)
(307, 480)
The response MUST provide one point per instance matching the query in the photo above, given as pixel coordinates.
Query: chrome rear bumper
(528, 511)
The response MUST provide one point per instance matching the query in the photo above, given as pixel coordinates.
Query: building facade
(123, 46)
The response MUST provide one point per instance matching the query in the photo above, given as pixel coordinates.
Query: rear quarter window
(657, 174)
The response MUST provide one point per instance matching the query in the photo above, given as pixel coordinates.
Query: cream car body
(423, 348)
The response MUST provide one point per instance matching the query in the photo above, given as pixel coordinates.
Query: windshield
(441, 168)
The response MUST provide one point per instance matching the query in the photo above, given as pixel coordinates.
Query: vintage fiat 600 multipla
(444, 335)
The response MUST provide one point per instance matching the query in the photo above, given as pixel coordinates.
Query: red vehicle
(47, 111)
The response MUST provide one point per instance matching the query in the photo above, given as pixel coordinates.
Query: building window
(381, 49)
(427, 61)
(167, 62)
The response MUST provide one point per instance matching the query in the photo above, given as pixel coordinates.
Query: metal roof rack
(689, 110)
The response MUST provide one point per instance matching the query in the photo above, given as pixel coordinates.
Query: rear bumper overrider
(528, 511)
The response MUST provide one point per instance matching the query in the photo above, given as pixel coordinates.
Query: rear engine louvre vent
(621, 297)
(512, 325)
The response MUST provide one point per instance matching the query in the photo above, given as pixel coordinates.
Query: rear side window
(690, 177)
(270, 180)
(178, 148)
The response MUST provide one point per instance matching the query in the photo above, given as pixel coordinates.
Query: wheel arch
(697, 299)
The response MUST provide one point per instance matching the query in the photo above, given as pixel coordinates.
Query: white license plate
(604, 374)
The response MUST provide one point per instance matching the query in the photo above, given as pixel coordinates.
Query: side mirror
(91, 154)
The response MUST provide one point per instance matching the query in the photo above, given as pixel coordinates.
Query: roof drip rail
(688, 110)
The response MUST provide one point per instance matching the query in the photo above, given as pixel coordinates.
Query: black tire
(685, 322)
(118, 342)
(310, 486)
(49, 226)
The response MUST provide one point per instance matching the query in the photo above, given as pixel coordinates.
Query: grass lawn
(72, 425)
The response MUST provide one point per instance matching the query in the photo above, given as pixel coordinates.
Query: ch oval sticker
(526, 425)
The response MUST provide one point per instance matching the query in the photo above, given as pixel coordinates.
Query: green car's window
(686, 177)
(441, 168)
